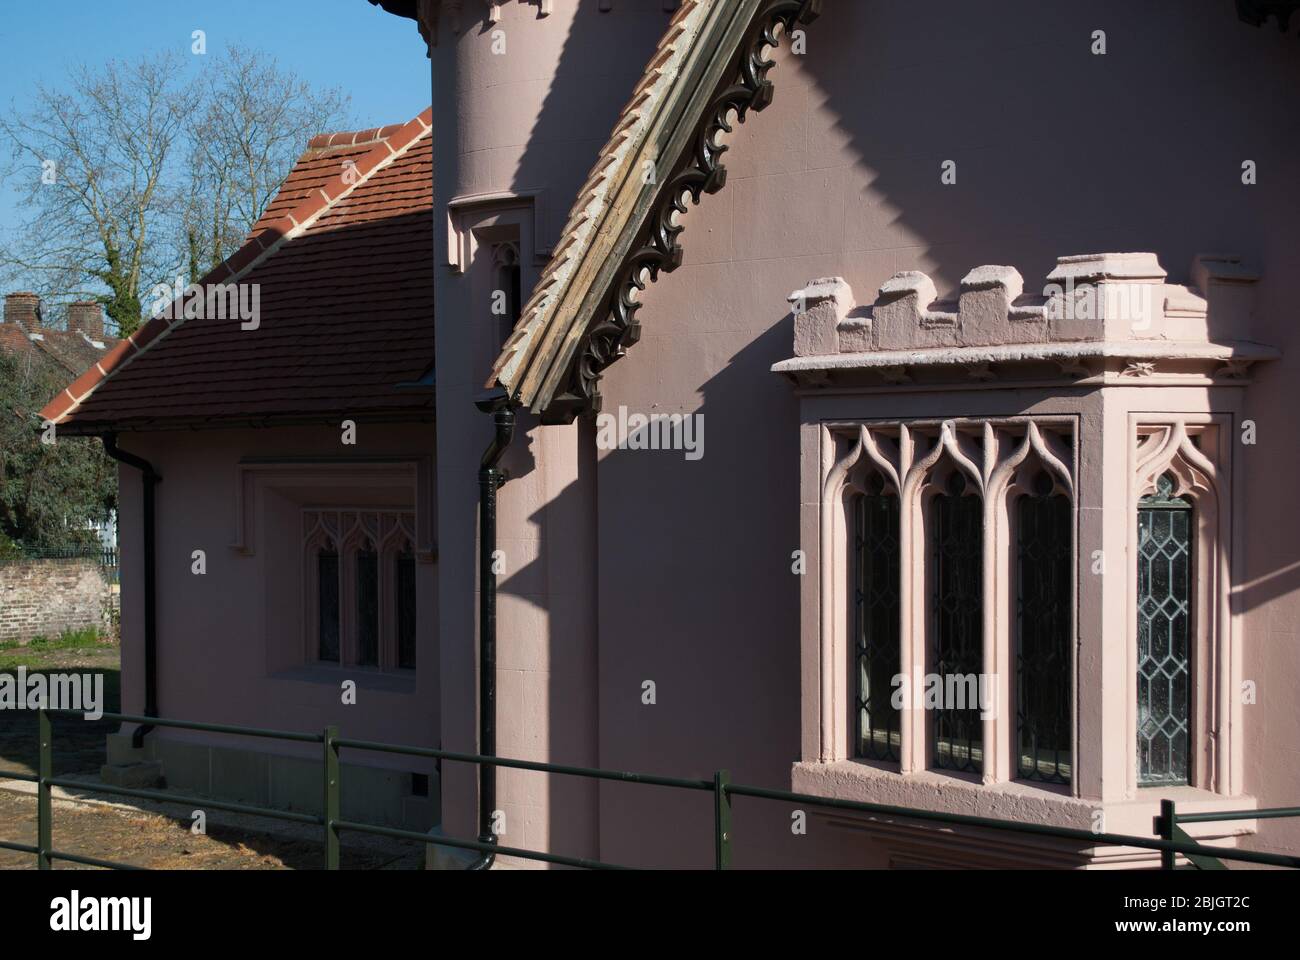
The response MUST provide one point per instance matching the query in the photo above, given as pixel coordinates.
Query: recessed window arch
(507, 286)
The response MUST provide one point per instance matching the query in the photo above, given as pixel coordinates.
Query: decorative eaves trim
(623, 230)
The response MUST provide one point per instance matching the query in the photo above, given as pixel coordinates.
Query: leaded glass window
(1164, 635)
(1043, 592)
(957, 598)
(876, 621)
(367, 608)
(360, 587)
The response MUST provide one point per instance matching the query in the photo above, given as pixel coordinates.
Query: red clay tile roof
(343, 260)
(64, 352)
(73, 350)
(13, 340)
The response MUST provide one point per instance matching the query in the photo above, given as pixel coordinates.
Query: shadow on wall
(692, 730)
(602, 85)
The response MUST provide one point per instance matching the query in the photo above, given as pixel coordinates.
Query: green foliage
(48, 492)
(9, 550)
(68, 640)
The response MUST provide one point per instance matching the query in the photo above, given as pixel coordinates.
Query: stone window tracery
(938, 506)
(359, 586)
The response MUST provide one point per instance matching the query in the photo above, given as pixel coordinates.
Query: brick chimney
(24, 309)
(86, 316)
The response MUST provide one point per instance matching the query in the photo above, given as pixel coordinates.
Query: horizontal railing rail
(1169, 840)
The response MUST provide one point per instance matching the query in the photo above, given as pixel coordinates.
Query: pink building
(904, 491)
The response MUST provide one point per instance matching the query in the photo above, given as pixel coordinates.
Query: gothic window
(1165, 531)
(367, 596)
(876, 606)
(404, 601)
(957, 601)
(507, 287)
(1043, 626)
(361, 596)
(327, 576)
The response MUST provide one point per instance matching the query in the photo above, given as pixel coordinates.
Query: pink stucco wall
(623, 566)
(685, 566)
(230, 647)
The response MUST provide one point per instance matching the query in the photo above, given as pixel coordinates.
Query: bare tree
(91, 164)
(253, 123)
(134, 174)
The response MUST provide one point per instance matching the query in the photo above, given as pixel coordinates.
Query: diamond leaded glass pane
(1043, 554)
(958, 603)
(1163, 628)
(876, 614)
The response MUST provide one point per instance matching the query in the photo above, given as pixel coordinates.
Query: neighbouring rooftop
(341, 267)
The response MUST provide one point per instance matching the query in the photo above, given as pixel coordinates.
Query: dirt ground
(78, 744)
(160, 842)
(143, 835)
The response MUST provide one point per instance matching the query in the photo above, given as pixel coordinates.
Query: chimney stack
(24, 309)
(86, 316)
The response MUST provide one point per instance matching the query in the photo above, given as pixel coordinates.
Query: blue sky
(375, 57)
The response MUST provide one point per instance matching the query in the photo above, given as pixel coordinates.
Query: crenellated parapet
(1095, 315)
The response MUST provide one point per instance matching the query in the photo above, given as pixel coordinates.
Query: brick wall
(46, 597)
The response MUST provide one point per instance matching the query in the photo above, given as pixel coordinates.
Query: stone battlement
(1095, 297)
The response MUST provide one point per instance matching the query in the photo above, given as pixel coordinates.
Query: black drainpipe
(151, 480)
(490, 479)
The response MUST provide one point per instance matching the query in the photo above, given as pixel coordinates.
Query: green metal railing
(1170, 839)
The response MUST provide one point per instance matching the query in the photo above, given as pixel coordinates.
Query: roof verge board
(710, 66)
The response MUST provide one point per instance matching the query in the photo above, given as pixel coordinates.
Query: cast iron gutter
(490, 479)
(150, 479)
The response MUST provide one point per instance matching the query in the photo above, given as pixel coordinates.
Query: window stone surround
(1133, 406)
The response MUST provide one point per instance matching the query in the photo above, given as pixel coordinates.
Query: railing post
(721, 820)
(1167, 822)
(331, 798)
(44, 808)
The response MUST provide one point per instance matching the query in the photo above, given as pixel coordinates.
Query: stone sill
(1015, 800)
